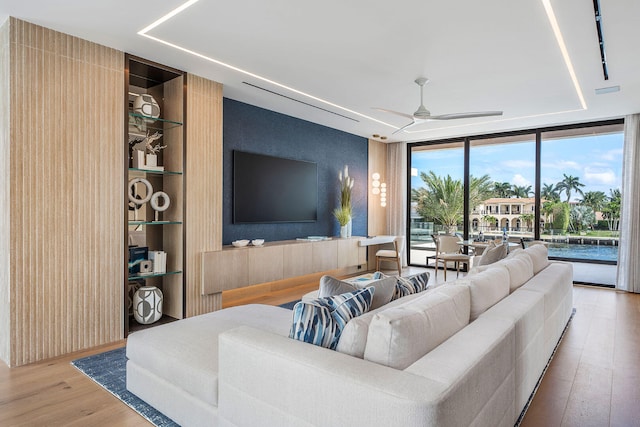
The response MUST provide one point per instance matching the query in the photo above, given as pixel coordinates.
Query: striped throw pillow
(321, 321)
(411, 285)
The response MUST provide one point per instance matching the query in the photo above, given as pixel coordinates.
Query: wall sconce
(375, 183)
(380, 188)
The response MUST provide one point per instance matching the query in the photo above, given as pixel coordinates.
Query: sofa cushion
(353, 339)
(161, 349)
(384, 288)
(492, 254)
(540, 257)
(486, 288)
(520, 270)
(398, 336)
(321, 321)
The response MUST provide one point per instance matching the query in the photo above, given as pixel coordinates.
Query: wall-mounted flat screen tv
(269, 189)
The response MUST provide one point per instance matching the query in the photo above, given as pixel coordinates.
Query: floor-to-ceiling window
(560, 185)
(502, 173)
(581, 172)
(437, 196)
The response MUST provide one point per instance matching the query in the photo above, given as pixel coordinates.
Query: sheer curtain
(629, 249)
(397, 192)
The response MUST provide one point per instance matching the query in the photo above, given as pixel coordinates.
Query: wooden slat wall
(66, 185)
(377, 215)
(203, 175)
(5, 201)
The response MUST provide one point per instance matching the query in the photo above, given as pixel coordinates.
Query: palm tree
(528, 219)
(490, 220)
(568, 184)
(521, 191)
(502, 189)
(596, 200)
(549, 192)
(443, 198)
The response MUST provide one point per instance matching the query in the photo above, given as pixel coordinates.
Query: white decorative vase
(343, 231)
(349, 224)
(147, 305)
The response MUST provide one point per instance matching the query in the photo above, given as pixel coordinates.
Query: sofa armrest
(270, 380)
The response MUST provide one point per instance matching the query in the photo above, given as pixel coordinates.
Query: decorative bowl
(257, 242)
(240, 243)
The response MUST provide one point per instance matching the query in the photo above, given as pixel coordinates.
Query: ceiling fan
(422, 115)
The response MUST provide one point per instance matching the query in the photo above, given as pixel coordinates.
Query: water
(591, 252)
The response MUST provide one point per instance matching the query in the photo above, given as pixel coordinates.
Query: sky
(595, 159)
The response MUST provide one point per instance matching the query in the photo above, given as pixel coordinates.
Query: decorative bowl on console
(257, 242)
(240, 243)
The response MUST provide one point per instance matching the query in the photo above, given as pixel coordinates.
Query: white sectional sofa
(467, 353)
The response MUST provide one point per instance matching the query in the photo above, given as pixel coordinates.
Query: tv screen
(273, 189)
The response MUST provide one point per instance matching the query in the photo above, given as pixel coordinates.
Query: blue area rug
(109, 371)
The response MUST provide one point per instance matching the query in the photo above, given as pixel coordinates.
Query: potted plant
(344, 214)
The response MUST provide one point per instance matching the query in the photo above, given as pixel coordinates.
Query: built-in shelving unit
(147, 225)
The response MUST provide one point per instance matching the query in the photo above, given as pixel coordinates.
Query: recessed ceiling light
(563, 49)
(383, 138)
(375, 135)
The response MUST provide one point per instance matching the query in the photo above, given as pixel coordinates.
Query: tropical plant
(528, 219)
(521, 191)
(596, 200)
(547, 211)
(490, 220)
(501, 189)
(568, 184)
(611, 212)
(581, 217)
(442, 200)
(560, 214)
(549, 192)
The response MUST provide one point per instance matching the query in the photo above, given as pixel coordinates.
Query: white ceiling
(479, 55)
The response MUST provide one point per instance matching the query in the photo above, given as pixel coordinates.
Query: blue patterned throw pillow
(411, 285)
(321, 321)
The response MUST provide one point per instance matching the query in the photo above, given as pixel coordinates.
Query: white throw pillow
(486, 288)
(398, 336)
(493, 254)
(540, 257)
(383, 289)
(520, 270)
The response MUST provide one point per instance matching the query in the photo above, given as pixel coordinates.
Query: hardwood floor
(592, 381)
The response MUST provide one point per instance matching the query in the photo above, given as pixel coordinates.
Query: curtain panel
(397, 190)
(629, 250)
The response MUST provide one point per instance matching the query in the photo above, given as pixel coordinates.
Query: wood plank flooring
(592, 381)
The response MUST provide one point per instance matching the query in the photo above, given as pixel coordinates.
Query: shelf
(154, 222)
(154, 172)
(156, 120)
(151, 275)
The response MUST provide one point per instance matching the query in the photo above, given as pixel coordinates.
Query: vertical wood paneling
(203, 175)
(377, 215)
(5, 201)
(66, 181)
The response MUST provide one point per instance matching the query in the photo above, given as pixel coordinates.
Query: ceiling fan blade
(466, 115)
(397, 113)
(405, 127)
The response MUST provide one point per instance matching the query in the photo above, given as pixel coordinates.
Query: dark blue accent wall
(253, 129)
